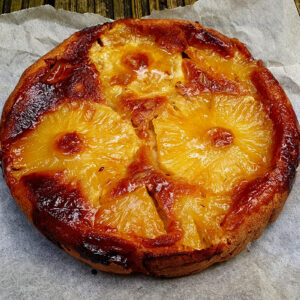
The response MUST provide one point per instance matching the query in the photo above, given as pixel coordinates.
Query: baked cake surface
(153, 146)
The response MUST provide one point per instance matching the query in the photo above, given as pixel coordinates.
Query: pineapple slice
(135, 68)
(200, 219)
(89, 141)
(234, 68)
(134, 213)
(217, 142)
(121, 34)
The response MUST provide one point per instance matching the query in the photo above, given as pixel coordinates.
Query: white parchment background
(33, 268)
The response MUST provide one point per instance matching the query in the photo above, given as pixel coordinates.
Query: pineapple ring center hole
(69, 143)
(220, 137)
(136, 61)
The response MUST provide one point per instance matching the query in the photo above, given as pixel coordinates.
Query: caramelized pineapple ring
(88, 140)
(137, 67)
(217, 143)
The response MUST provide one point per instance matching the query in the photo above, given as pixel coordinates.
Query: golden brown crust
(256, 203)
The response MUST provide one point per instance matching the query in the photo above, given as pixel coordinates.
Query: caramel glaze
(163, 189)
(180, 36)
(60, 210)
(132, 62)
(199, 82)
(142, 111)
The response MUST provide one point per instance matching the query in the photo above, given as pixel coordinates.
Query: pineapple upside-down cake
(153, 146)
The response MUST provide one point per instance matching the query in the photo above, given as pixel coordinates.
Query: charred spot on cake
(33, 99)
(184, 55)
(106, 250)
(207, 38)
(70, 143)
(50, 62)
(50, 196)
(220, 137)
(76, 51)
(94, 272)
(99, 41)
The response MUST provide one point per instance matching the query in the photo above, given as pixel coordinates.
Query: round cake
(150, 146)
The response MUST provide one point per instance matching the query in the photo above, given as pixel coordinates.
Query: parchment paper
(33, 268)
